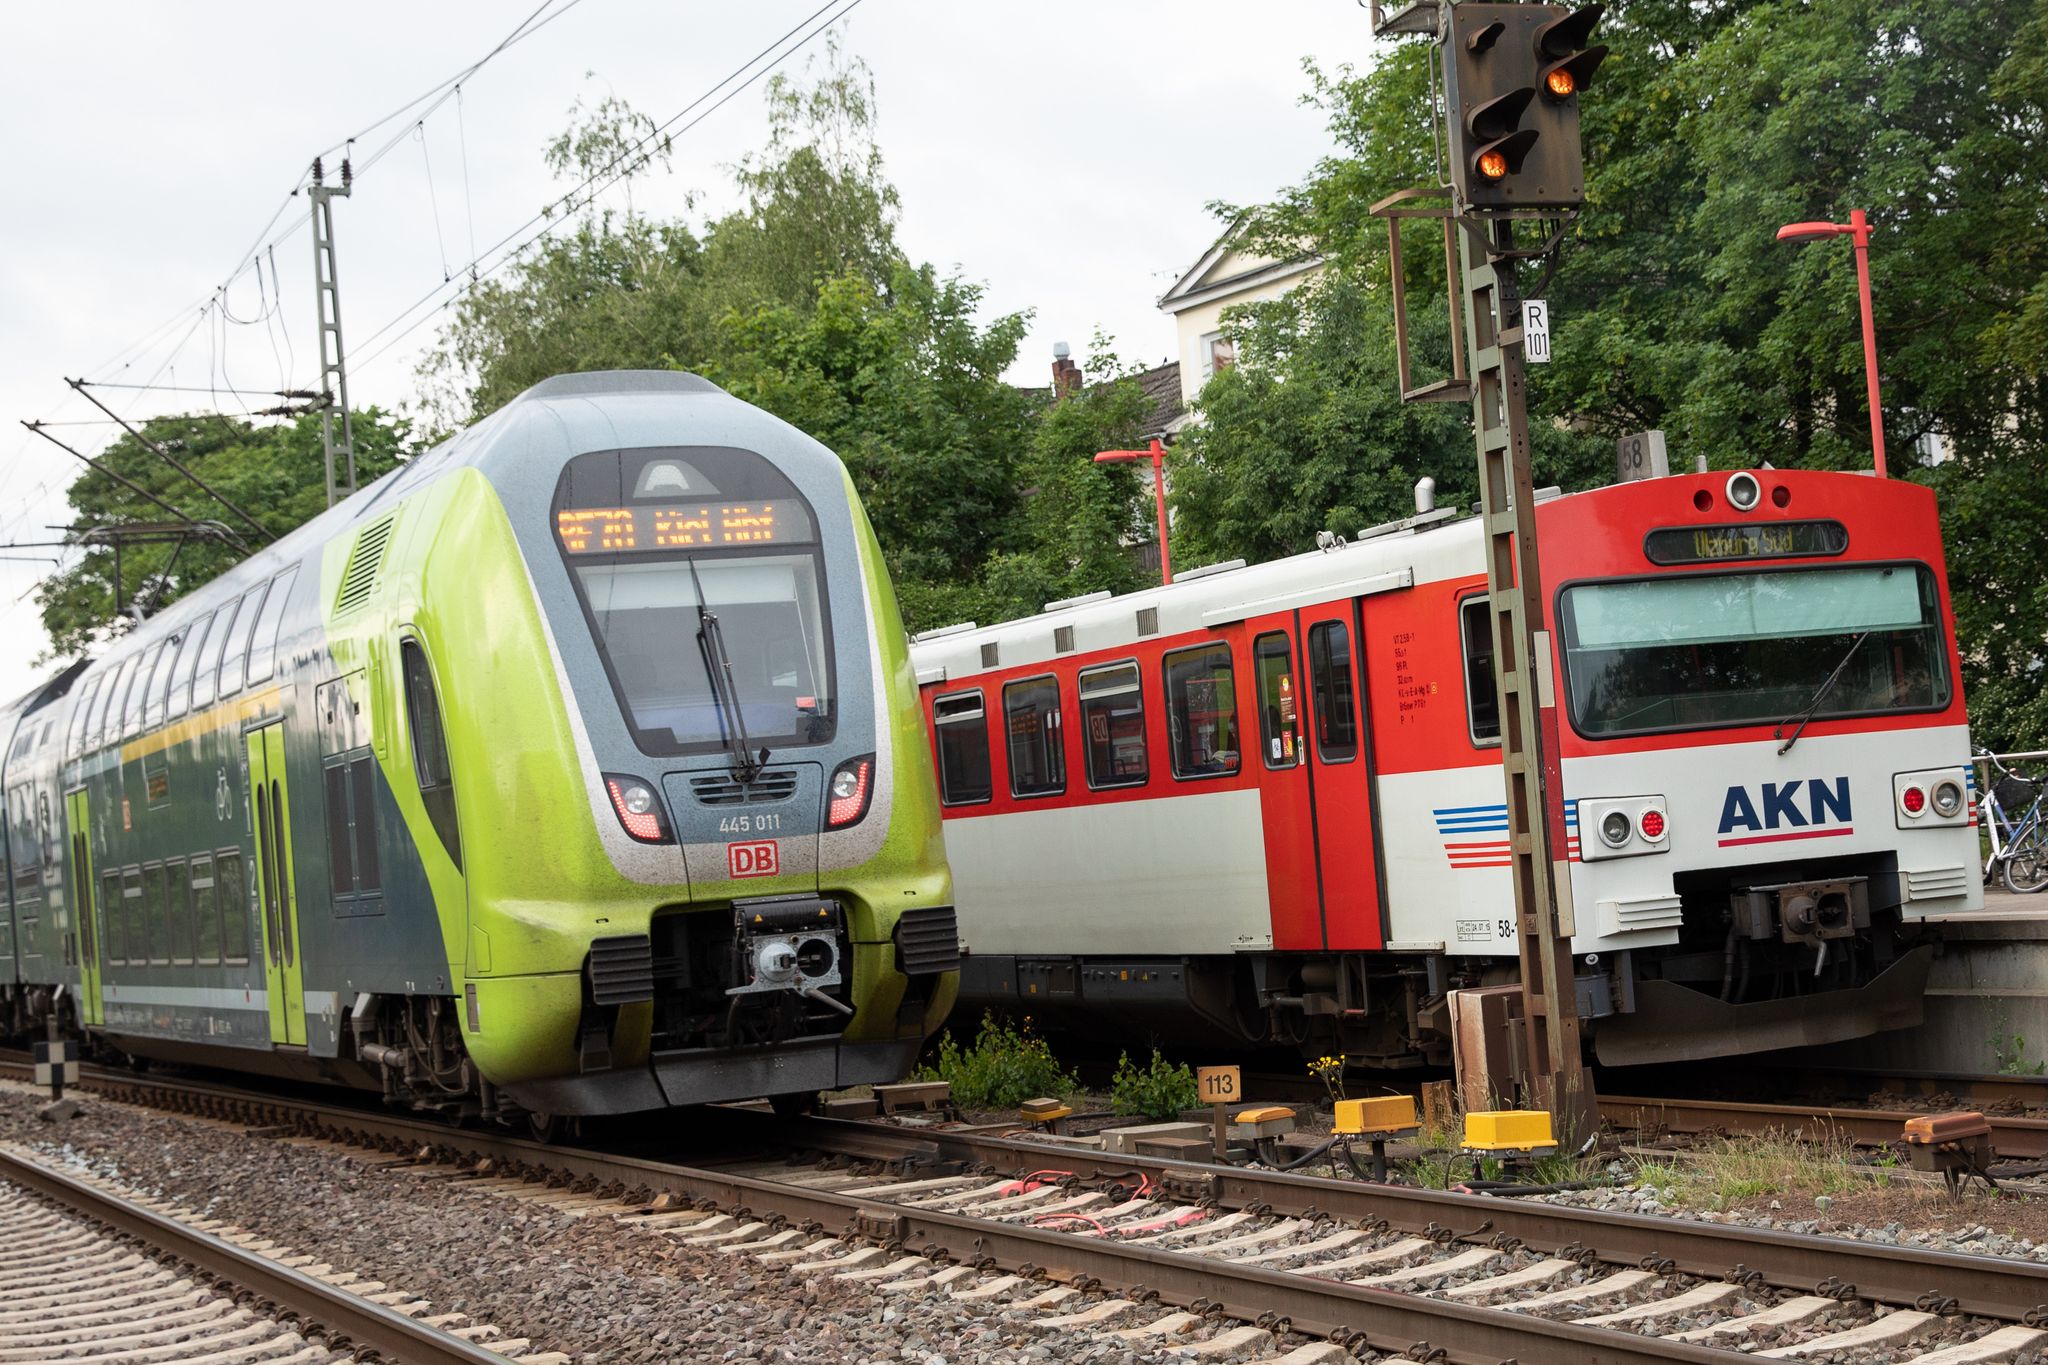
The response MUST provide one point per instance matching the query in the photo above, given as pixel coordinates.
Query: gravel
(576, 1285)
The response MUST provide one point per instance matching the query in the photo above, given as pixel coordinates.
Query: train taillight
(847, 799)
(638, 809)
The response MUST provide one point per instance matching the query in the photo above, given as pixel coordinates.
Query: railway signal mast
(1511, 75)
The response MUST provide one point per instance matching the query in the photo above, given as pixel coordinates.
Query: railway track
(2012, 1138)
(89, 1271)
(1177, 1245)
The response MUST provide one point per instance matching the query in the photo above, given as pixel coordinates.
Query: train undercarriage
(1768, 957)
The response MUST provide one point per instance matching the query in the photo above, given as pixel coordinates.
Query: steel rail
(2012, 1138)
(2004, 1288)
(323, 1307)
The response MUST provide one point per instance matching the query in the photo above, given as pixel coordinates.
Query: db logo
(752, 860)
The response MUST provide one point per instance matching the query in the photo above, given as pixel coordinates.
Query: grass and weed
(1730, 1171)
(1157, 1090)
(1006, 1065)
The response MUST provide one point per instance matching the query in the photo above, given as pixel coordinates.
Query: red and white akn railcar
(1265, 804)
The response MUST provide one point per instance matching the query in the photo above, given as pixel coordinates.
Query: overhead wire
(608, 176)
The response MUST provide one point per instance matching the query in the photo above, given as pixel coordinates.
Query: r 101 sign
(1641, 456)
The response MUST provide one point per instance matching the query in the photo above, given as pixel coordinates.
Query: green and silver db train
(573, 768)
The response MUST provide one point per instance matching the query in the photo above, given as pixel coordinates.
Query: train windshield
(655, 541)
(1695, 651)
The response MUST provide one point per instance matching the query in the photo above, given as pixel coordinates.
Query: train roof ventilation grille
(991, 654)
(1148, 620)
(359, 579)
(1063, 639)
(721, 789)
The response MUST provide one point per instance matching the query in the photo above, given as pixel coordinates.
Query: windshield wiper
(725, 691)
(1805, 714)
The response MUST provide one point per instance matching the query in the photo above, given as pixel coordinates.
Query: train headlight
(846, 799)
(1602, 827)
(1744, 492)
(638, 809)
(1947, 797)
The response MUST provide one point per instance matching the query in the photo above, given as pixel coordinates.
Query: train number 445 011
(749, 824)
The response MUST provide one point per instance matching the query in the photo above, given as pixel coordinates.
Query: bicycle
(2019, 847)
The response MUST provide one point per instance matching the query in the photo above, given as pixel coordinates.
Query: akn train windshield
(1695, 651)
(651, 537)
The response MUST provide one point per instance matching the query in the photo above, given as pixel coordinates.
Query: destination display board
(1751, 540)
(617, 530)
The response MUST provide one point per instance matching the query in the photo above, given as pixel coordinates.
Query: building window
(1329, 673)
(1031, 715)
(1113, 725)
(1482, 699)
(1201, 712)
(962, 724)
(1219, 353)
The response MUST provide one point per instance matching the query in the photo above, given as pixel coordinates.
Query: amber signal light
(1493, 165)
(1560, 83)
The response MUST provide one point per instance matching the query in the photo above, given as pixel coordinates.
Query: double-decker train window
(205, 683)
(1031, 720)
(233, 661)
(138, 688)
(184, 695)
(108, 707)
(430, 748)
(205, 911)
(962, 724)
(28, 867)
(178, 909)
(113, 919)
(1482, 696)
(353, 871)
(1329, 674)
(233, 890)
(1279, 708)
(134, 916)
(1201, 712)
(263, 644)
(156, 913)
(1113, 726)
(81, 712)
(156, 682)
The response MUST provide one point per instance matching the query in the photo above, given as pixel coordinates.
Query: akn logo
(1813, 809)
(756, 859)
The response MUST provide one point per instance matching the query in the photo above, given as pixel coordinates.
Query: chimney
(1066, 375)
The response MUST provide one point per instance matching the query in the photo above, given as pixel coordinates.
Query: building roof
(1162, 387)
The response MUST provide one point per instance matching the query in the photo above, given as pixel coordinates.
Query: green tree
(1708, 127)
(906, 387)
(276, 473)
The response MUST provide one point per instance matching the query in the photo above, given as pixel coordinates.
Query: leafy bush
(1005, 1066)
(1157, 1090)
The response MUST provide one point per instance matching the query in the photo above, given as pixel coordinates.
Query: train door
(1287, 796)
(1339, 757)
(276, 891)
(84, 898)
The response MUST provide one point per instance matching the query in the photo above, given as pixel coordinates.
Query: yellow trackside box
(1380, 1114)
(1508, 1130)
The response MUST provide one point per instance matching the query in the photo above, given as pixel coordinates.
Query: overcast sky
(1061, 154)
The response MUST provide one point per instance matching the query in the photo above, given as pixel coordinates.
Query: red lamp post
(1157, 455)
(1857, 229)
